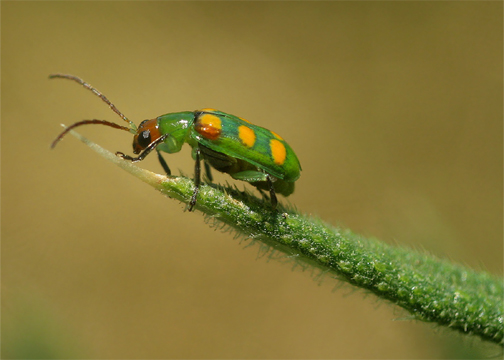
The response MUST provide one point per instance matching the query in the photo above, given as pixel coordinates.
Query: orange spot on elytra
(209, 126)
(278, 151)
(246, 135)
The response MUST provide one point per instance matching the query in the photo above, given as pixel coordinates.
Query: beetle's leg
(257, 177)
(208, 173)
(163, 163)
(250, 176)
(146, 151)
(273, 197)
(197, 179)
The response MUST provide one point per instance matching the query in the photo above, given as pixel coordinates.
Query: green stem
(430, 289)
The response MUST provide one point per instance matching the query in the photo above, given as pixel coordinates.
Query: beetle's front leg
(144, 153)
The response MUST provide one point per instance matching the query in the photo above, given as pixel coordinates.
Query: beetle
(227, 143)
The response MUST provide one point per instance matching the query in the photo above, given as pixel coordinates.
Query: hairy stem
(430, 289)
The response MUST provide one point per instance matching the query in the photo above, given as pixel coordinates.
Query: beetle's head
(147, 132)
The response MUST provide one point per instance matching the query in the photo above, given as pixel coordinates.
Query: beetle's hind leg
(273, 197)
(261, 181)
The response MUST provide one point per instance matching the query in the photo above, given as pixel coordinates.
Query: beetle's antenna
(97, 93)
(85, 122)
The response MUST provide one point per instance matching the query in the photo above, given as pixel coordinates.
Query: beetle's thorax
(176, 126)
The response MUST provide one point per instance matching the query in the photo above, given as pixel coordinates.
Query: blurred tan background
(394, 109)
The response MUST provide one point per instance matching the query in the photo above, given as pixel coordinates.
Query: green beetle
(225, 142)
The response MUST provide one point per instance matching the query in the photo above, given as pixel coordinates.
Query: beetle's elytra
(223, 141)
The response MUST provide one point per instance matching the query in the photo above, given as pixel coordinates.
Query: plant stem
(430, 289)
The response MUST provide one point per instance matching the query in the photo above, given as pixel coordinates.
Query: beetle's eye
(144, 139)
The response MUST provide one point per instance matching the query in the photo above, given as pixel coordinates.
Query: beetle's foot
(192, 203)
(125, 157)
